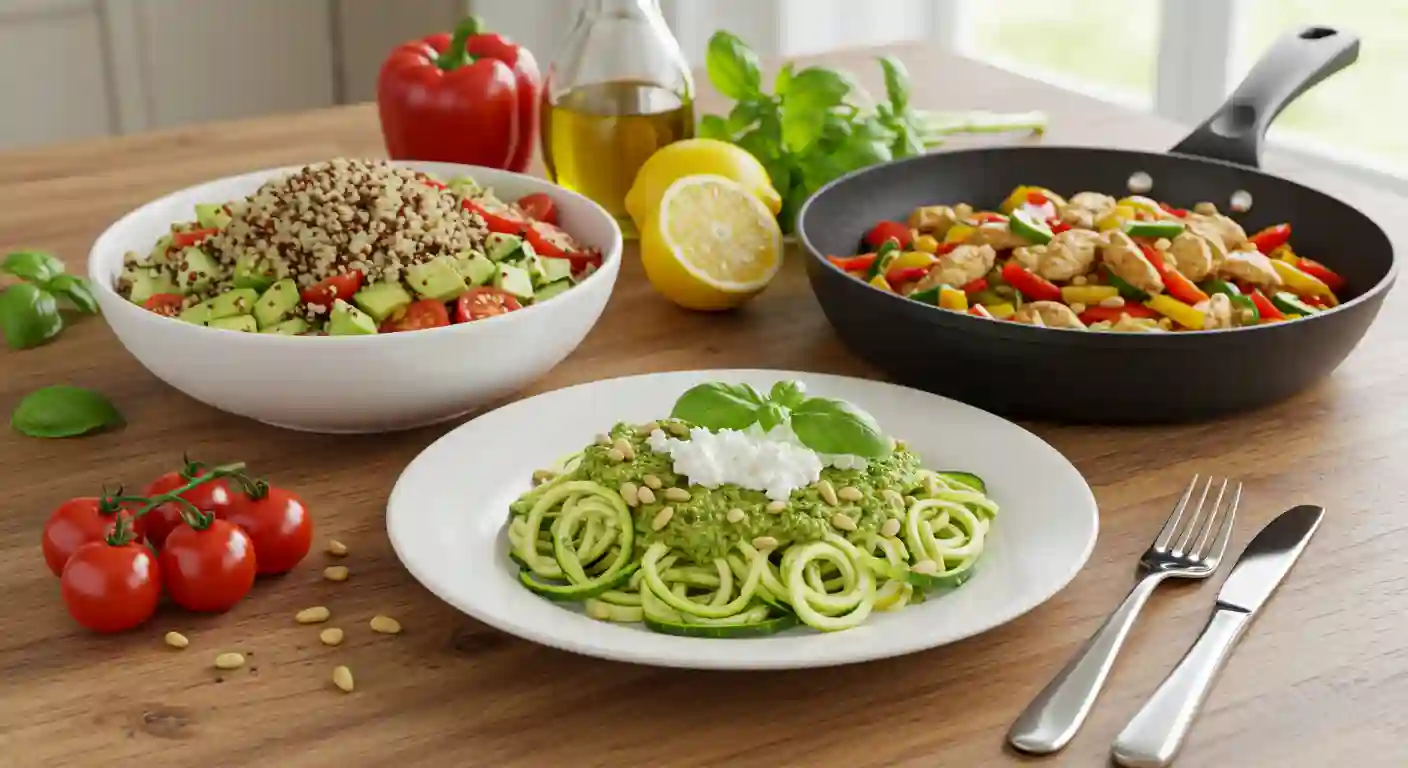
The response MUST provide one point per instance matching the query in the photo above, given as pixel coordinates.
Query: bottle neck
(623, 8)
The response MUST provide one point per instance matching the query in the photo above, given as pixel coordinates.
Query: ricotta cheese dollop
(774, 462)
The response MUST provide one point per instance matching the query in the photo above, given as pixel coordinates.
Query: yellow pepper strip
(1002, 311)
(1177, 311)
(1089, 295)
(1284, 253)
(1301, 283)
(1141, 203)
(958, 233)
(954, 299)
(879, 282)
(926, 243)
(911, 259)
(1116, 219)
(1019, 196)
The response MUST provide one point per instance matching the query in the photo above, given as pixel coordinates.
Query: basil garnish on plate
(64, 411)
(717, 405)
(821, 424)
(837, 427)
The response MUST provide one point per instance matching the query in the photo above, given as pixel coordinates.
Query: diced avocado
(347, 320)
(211, 215)
(476, 269)
(252, 271)
(199, 314)
(244, 323)
(500, 246)
(291, 327)
(515, 280)
(195, 270)
(276, 302)
(147, 283)
(436, 279)
(379, 300)
(554, 270)
(551, 289)
(236, 301)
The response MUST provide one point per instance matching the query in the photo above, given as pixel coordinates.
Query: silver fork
(1188, 548)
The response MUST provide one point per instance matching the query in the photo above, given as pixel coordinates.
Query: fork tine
(1171, 525)
(1195, 541)
(1192, 527)
(1224, 533)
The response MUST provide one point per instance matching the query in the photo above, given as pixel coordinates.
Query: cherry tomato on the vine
(215, 497)
(77, 522)
(279, 526)
(209, 569)
(111, 588)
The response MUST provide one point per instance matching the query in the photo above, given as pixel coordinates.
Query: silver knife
(1153, 737)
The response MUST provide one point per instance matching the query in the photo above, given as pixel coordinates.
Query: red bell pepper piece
(1031, 285)
(887, 230)
(1319, 302)
(981, 284)
(1037, 198)
(1178, 286)
(905, 274)
(1265, 307)
(853, 263)
(980, 311)
(1271, 238)
(987, 217)
(193, 237)
(1179, 212)
(471, 98)
(1099, 314)
(1321, 272)
(1057, 226)
(945, 248)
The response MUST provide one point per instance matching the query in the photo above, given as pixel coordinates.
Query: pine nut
(843, 521)
(336, 573)
(615, 455)
(777, 507)
(629, 494)
(1114, 302)
(386, 625)
(177, 640)
(625, 449)
(331, 636)
(925, 567)
(828, 494)
(1163, 244)
(662, 518)
(890, 528)
(342, 678)
(652, 482)
(649, 427)
(603, 440)
(850, 493)
(677, 494)
(229, 661)
(1205, 208)
(645, 495)
(315, 615)
(541, 476)
(677, 429)
(337, 548)
(893, 496)
(765, 543)
(735, 515)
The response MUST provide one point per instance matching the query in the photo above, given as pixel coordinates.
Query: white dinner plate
(447, 512)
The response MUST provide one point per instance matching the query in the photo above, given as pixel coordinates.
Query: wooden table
(1322, 680)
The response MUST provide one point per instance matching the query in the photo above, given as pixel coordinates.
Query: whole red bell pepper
(469, 98)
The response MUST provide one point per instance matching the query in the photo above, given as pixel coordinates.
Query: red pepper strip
(1098, 314)
(1057, 226)
(905, 274)
(1271, 238)
(1265, 307)
(438, 100)
(945, 248)
(186, 239)
(853, 263)
(1037, 198)
(1179, 287)
(1179, 212)
(987, 217)
(1316, 301)
(887, 230)
(981, 284)
(1321, 272)
(1030, 284)
(980, 311)
(433, 183)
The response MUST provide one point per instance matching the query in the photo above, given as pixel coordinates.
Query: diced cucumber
(380, 300)
(499, 246)
(290, 327)
(241, 323)
(554, 270)
(275, 303)
(147, 283)
(195, 271)
(514, 280)
(551, 289)
(477, 269)
(211, 216)
(252, 271)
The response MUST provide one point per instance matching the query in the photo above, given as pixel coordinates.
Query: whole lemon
(692, 157)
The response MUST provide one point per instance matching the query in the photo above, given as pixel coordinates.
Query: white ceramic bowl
(350, 384)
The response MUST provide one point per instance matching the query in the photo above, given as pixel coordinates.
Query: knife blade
(1153, 737)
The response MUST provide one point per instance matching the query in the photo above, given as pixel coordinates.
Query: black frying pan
(1031, 372)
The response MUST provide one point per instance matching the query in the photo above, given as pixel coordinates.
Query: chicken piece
(1068, 254)
(1216, 228)
(1086, 208)
(1127, 324)
(1048, 314)
(1122, 255)
(1217, 313)
(1251, 266)
(959, 267)
(997, 234)
(937, 220)
(1193, 256)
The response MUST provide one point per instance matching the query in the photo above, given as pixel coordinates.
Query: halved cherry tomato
(540, 207)
(1032, 285)
(1322, 273)
(214, 497)
(419, 316)
(168, 304)
(1271, 238)
(1179, 287)
(886, 230)
(1098, 314)
(279, 526)
(209, 569)
(498, 217)
(482, 302)
(554, 242)
(335, 287)
(111, 588)
(191, 237)
(77, 522)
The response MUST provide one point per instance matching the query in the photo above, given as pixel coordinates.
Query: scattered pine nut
(735, 515)
(342, 678)
(777, 507)
(624, 447)
(925, 567)
(331, 636)
(662, 518)
(652, 482)
(843, 521)
(1114, 302)
(630, 494)
(386, 625)
(765, 543)
(828, 493)
(850, 493)
(890, 528)
(336, 573)
(615, 455)
(315, 615)
(677, 429)
(645, 495)
(337, 548)
(177, 640)
(893, 496)
(648, 427)
(677, 494)
(229, 661)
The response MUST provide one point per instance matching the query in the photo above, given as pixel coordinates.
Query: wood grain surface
(1322, 679)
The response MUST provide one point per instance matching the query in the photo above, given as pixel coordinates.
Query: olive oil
(597, 136)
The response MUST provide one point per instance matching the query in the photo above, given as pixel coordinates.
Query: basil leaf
(788, 394)
(837, 427)
(747, 113)
(732, 66)
(34, 266)
(771, 415)
(896, 83)
(783, 82)
(801, 128)
(29, 316)
(816, 89)
(714, 127)
(717, 405)
(76, 290)
(64, 411)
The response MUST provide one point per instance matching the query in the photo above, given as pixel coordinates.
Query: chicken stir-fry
(1094, 262)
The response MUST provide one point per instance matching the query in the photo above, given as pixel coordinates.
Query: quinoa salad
(357, 247)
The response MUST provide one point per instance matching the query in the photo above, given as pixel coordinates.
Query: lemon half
(711, 244)
(691, 157)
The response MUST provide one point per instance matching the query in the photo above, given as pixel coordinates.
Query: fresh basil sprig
(717, 405)
(837, 427)
(823, 425)
(64, 411)
(29, 310)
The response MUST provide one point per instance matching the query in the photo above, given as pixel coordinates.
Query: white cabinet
(54, 87)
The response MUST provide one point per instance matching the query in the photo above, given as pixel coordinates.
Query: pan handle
(1297, 61)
